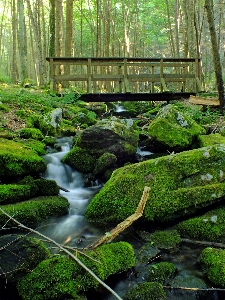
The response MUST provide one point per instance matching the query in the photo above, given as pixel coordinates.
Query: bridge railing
(122, 75)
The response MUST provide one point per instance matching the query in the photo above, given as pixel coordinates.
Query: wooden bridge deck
(120, 79)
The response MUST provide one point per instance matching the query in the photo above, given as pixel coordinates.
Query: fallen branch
(204, 243)
(109, 236)
(193, 289)
(64, 250)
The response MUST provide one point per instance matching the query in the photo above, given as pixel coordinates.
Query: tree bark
(215, 53)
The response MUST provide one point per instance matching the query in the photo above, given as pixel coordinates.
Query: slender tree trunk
(22, 40)
(69, 36)
(215, 52)
(14, 40)
(52, 28)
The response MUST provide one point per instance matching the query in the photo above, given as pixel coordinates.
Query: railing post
(89, 76)
(126, 83)
(52, 73)
(152, 83)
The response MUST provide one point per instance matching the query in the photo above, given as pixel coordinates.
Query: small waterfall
(73, 227)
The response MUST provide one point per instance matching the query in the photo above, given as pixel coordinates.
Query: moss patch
(146, 290)
(208, 227)
(60, 277)
(33, 212)
(213, 261)
(17, 159)
(80, 160)
(168, 239)
(160, 272)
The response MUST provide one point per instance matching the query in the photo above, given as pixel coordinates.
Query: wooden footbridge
(127, 79)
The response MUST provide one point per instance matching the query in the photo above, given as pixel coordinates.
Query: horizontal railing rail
(122, 75)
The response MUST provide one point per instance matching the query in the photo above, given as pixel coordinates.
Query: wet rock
(19, 256)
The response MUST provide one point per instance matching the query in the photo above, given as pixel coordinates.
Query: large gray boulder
(172, 129)
(180, 184)
(112, 136)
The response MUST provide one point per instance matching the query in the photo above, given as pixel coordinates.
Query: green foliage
(60, 277)
(37, 146)
(4, 108)
(32, 212)
(146, 290)
(202, 117)
(139, 107)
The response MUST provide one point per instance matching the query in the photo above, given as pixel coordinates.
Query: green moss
(160, 272)
(146, 290)
(31, 133)
(180, 184)
(211, 139)
(47, 187)
(213, 261)
(174, 129)
(34, 211)
(167, 239)
(35, 145)
(11, 193)
(80, 160)
(62, 277)
(208, 227)
(105, 161)
(17, 159)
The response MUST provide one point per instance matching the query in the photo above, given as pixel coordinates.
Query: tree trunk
(215, 53)
(52, 29)
(14, 26)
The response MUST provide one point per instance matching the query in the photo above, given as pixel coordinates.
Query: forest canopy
(31, 30)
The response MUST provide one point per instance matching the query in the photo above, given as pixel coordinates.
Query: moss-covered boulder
(104, 162)
(213, 262)
(80, 160)
(19, 255)
(31, 133)
(61, 277)
(17, 159)
(180, 184)
(119, 137)
(146, 290)
(171, 129)
(32, 212)
(160, 272)
(211, 139)
(11, 193)
(207, 227)
(47, 187)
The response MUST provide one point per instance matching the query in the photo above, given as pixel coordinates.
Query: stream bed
(73, 230)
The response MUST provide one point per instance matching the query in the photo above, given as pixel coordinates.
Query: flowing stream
(71, 229)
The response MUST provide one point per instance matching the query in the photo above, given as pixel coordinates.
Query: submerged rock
(180, 184)
(20, 255)
(173, 130)
(146, 290)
